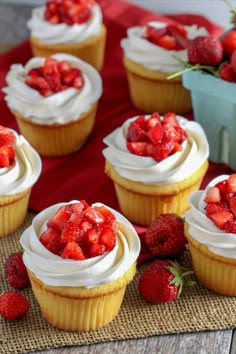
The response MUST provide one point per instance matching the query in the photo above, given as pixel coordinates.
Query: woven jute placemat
(196, 310)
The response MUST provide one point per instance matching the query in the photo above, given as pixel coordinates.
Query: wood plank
(215, 342)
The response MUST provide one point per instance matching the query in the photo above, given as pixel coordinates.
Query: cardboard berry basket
(214, 107)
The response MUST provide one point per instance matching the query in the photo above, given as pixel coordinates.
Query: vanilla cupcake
(154, 179)
(149, 62)
(80, 288)
(54, 101)
(210, 228)
(76, 29)
(20, 168)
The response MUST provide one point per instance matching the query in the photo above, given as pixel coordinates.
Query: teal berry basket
(214, 108)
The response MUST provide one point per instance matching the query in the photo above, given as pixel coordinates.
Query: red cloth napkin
(81, 174)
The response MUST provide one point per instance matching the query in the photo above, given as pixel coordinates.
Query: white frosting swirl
(203, 230)
(138, 49)
(53, 270)
(24, 172)
(63, 33)
(180, 165)
(61, 107)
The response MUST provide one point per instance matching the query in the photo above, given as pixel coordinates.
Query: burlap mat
(196, 310)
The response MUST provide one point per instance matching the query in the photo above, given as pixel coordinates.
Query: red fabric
(81, 175)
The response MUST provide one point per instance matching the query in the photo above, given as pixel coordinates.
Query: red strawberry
(13, 305)
(205, 50)
(145, 253)
(163, 281)
(226, 72)
(52, 241)
(228, 41)
(16, 271)
(213, 208)
(233, 60)
(71, 232)
(165, 236)
(166, 41)
(108, 238)
(58, 220)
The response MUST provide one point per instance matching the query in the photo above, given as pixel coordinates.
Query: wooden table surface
(209, 342)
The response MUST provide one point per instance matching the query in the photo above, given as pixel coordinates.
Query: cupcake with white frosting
(79, 279)
(155, 162)
(210, 228)
(54, 101)
(71, 28)
(150, 53)
(20, 168)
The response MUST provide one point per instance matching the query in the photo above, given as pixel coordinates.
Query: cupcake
(149, 58)
(210, 228)
(80, 258)
(20, 167)
(155, 162)
(54, 101)
(73, 27)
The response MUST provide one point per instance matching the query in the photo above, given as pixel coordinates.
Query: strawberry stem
(180, 272)
(190, 67)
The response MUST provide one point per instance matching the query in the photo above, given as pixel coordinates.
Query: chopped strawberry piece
(93, 235)
(167, 42)
(232, 203)
(232, 183)
(71, 232)
(155, 133)
(6, 137)
(69, 77)
(94, 216)
(221, 218)
(108, 238)
(223, 187)
(7, 154)
(58, 220)
(230, 227)
(86, 226)
(135, 132)
(152, 121)
(213, 208)
(96, 249)
(51, 240)
(64, 65)
(213, 195)
(73, 251)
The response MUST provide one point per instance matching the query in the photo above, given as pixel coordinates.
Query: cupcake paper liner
(151, 91)
(215, 272)
(57, 139)
(91, 50)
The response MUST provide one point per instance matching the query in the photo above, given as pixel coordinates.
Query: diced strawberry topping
(213, 195)
(155, 137)
(221, 204)
(54, 76)
(171, 37)
(92, 228)
(68, 11)
(232, 183)
(7, 151)
(72, 250)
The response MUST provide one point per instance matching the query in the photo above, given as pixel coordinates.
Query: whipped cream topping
(176, 167)
(24, 172)
(53, 270)
(203, 230)
(62, 107)
(138, 49)
(63, 33)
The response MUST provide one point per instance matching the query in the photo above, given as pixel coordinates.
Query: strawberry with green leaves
(163, 281)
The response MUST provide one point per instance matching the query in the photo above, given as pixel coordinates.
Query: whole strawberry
(205, 50)
(228, 41)
(16, 271)
(13, 305)
(163, 281)
(165, 236)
